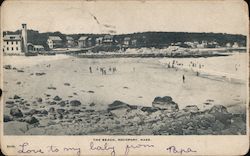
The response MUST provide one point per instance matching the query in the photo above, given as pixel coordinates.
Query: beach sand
(137, 81)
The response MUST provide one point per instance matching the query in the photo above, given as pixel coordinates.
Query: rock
(15, 128)
(16, 112)
(33, 112)
(60, 111)
(191, 108)
(75, 93)
(52, 103)
(75, 103)
(7, 118)
(44, 112)
(16, 97)
(92, 104)
(57, 98)
(165, 103)
(90, 91)
(9, 102)
(117, 105)
(51, 109)
(149, 109)
(218, 109)
(67, 84)
(62, 103)
(31, 120)
(40, 74)
(20, 71)
(7, 67)
(39, 100)
(54, 88)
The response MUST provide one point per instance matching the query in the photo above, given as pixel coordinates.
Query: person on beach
(183, 79)
(90, 69)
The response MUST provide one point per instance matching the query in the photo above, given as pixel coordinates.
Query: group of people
(103, 70)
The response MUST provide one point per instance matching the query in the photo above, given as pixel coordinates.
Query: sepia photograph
(136, 68)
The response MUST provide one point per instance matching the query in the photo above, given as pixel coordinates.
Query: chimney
(24, 37)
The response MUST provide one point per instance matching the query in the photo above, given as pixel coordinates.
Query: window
(7, 42)
(16, 42)
(7, 48)
(16, 48)
(12, 48)
(12, 42)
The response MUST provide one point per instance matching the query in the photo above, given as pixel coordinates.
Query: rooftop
(55, 38)
(82, 38)
(12, 37)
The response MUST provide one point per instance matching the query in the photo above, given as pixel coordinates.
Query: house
(235, 45)
(126, 41)
(12, 44)
(38, 48)
(98, 40)
(228, 45)
(90, 42)
(108, 39)
(82, 41)
(54, 42)
(70, 42)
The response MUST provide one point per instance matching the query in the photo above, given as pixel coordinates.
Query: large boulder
(117, 105)
(165, 103)
(31, 120)
(57, 98)
(75, 103)
(218, 109)
(16, 112)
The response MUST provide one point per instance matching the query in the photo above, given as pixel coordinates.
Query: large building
(12, 44)
(70, 42)
(16, 44)
(54, 42)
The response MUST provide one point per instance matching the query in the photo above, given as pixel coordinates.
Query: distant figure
(97, 68)
(110, 69)
(197, 74)
(90, 69)
(183, 79)
(134, 69)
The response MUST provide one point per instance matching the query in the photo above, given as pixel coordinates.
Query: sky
(126, 17)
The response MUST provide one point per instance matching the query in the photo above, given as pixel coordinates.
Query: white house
(54, 42)
(12, 44)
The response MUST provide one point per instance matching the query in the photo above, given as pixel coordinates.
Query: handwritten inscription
(26, 149)
(128, 147)
(105, 147)
(173, 149)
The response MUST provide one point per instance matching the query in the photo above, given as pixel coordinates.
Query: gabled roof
(12, 38)
(82, 38)
(69, 38)
(55, 38)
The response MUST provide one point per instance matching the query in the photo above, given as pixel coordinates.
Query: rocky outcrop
(165, 103)
(15, 112)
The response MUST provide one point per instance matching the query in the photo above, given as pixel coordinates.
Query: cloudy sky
(126, 17)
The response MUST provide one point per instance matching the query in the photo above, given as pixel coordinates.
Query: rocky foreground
(63, 117)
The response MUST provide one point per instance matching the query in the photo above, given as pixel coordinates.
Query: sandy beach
(42, 80)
